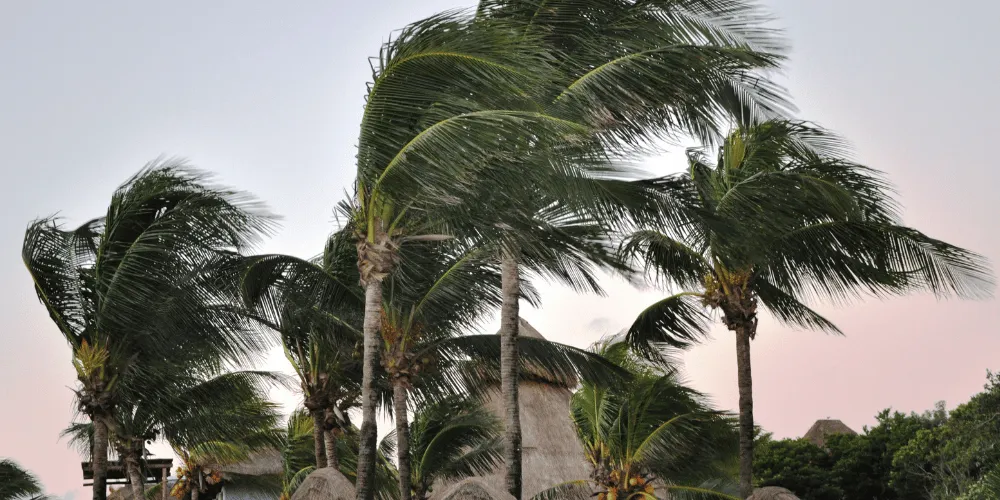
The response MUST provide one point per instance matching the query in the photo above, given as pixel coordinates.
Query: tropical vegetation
(495, 151)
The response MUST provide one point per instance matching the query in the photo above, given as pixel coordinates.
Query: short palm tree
(315, 306)
(208, 421)
(149, 269)
(652, 434)
(297, 459)
(782, 217)
(17, 483)
(451, 439)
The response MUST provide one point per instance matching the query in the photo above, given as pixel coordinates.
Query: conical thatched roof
(822, 429)
(552, 453)
(325, 484)
(772, 493)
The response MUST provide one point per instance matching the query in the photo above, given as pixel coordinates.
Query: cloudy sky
(268, 95)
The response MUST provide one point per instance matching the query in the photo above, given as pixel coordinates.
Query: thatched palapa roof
(551, 450)
(823, 429)
(261, 463)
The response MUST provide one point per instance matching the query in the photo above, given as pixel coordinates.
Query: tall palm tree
(651, 434)
(632, 72)
(118, 285)
(780, 218)
(17, 483)
(451, 439)
(448, 98)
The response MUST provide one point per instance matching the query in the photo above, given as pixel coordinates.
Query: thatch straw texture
(474, 489)
(325, 484)
(260, 463)
(772, 493)
(552, 453)
(822, 429)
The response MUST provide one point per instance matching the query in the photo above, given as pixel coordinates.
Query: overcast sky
(268, 95)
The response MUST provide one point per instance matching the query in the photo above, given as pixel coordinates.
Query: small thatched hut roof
(772, 493)
(551, 450)
(260, 463)
(474, 489)
(325, 484)
(822, 429)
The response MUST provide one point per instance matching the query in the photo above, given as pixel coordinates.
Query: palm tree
(651, 434)
(447, 101)
(208, 421)
(148, 270)
(297, 460)
(17, 483)
(316, 308)
(451, 439)
(631, 72)
(779, 218)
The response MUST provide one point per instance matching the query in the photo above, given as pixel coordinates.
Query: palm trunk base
(509, 372)
(745, 381)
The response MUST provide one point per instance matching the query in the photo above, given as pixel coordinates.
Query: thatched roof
(537, 373)
(822, 429)
(325, 484)
(474, 489)
(772, 493)
(551, 450)
(260, 463)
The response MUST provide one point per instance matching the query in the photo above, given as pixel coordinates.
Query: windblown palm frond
(450, 440)
(780, 219)
(17, 483)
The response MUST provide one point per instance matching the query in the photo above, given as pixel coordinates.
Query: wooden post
(163, 482)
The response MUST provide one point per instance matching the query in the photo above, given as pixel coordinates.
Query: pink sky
(268, 95)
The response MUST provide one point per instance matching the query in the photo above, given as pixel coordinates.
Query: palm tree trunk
(135, 478)
(99, 461)
(402, 438)
(745, 382)
(509, 317)
(369, 429)
(332, 460)
(319, 443)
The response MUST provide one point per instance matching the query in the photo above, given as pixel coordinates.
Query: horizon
(268, 97)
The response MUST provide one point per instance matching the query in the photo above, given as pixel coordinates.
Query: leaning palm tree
(208, 421)
(451, 439)
(782, 217)
(651, 435)
(149, 269)
(17, 483)
(315, 306)
(297, 460)
(632, 72)
(448, 98)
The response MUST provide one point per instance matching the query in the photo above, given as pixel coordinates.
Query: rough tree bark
(99, 461)
(135, 478)
(399, 393)
(319, 442)
(332, 460)
(745, 381)
(369, 429)
(509, 317)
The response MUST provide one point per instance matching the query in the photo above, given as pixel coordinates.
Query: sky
(268, 96)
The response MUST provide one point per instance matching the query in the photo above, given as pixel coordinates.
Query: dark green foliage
(17, 483)
(798, 465)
